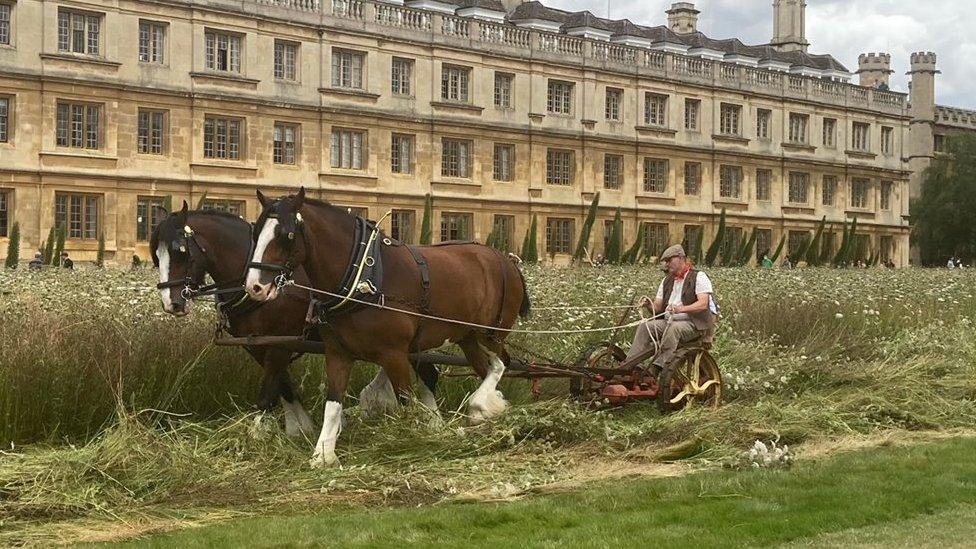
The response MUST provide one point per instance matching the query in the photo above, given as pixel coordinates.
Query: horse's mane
(217, 213)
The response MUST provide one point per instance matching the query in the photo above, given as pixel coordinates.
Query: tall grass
(129, 411)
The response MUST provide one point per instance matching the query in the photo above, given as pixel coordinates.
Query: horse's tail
(526, 307)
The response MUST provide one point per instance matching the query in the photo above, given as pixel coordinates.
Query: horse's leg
(486, 356)
(268, 394)
(297, 420)
(377, 398)
(398, 367)
(337, 368)
(428, 375)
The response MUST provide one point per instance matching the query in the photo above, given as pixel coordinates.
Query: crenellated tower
(874, 69)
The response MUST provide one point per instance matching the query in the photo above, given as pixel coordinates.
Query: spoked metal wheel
(691, 380)
(602, 355)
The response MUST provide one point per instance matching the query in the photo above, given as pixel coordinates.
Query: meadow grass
(923, 495)
(114, 411)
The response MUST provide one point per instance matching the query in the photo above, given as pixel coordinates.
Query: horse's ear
(300, 198)
(263, 199)
(183, 211)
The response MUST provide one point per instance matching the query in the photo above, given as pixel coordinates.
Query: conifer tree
(612, 253)
(584, 239)
(13, 247)
(426, 235)
(716, 246)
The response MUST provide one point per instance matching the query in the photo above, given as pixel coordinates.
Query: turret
(874, 69)
(683, 18)
(789, 25)
(921, 135)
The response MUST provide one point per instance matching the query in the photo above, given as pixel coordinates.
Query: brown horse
(459, 281)
(186, 246)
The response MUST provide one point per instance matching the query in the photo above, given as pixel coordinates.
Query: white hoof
(481, 409)
(323, 459)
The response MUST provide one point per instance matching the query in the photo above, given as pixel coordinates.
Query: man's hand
(645, 302)
(674, 309)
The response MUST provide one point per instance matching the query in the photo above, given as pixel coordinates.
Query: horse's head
(279, 246)
(181, 260)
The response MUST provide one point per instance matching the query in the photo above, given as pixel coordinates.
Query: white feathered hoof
(262, 427)
(322, 460)
(484, 407)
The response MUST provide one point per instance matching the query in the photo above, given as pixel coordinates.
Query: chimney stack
(874, 69)
(683, 18)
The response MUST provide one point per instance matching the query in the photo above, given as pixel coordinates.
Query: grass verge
(886, 496)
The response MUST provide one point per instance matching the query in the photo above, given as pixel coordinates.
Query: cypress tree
(633, 254)
(202, 200)
(425, 232)
(530, 247)
(100, 257)
(584, 239)
(168, 203)
(13, 247)
(801, 253)
(699, 244)
(842, 249)
(58, 248)
(612, 253)
(746, 252)
(48, 247)
(779, 249)
(813, 252)
(716, 246)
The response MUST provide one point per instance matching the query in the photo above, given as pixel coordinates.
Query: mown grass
(891, 497)
(112, 411)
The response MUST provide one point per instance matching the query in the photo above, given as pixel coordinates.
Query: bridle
(193, 288)
(287, 269)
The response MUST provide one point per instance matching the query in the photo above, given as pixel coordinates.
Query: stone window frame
(502, 88)
(729, 186)
(88, 224)
(799, 124)
(690, 238)
(503, 165)
(149, 51)
(282, 69)
(613, 171)
(455, 83)
(339, 144)
(730, 117)
(7, 23)
(795, 241)
(344, 72)
(457, 157)
(764, 123)
(503, 226)
(829, 133)
(559, 96)
(7, 124)
(281, 154)
(887, 140)
(656, 180)
(613, 104)
(692, 114)
(861, 136)
(65, 127)
(886, 194)
(860, 192)
(693, 178)
(232, 151)
(402, 146)
(656, 109)
(151, 208)
(764, 185)
(560, 233)
(6, 211)
(456, 226)
(234, 62)
(156, 123)
(226, 205)
(798, 188)
(764, 242)
(403, 221)
(657, 238)
(828, 190)
(92, 39)
(401, 76)
(560, 166)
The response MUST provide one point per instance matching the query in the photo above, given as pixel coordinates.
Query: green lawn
(892, 496)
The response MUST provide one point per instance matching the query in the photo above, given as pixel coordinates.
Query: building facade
(501, 111)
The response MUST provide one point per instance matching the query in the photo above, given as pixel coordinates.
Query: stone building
(502, 110)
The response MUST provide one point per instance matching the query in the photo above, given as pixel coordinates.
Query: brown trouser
(668, 339)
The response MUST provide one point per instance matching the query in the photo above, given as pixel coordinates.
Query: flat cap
(673, 251)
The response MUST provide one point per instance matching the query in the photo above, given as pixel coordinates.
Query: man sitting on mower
(685, 299)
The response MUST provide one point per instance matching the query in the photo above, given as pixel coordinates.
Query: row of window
(78, 126)
(80, 33)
